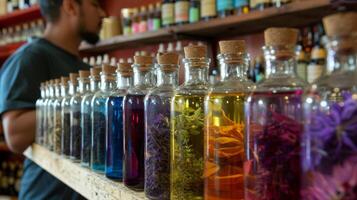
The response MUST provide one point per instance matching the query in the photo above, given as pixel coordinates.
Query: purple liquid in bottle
(274, 130)
(134, 142)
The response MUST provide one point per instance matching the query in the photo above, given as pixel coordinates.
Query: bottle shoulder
(282, 83)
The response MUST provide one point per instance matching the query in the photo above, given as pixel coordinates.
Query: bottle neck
(233, 66)
(83, 85)
(280, 60)
(124, 82)
(52, 91)
(57, 90)
(107, 82)
(342, 54)
(64, 90)
(167, 76)
(143, 76)
(94, 83)
(196, 71)
(73, 87)
(43, 93)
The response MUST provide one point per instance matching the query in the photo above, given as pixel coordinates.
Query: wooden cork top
(108, 69)
(169, 58)
(95, 71)
(281, 36)
(51, 82)
(64, 80)
(232, 46)
(73, 77)
(84, 73)
(340, 24)
(57, 81)
(195, 51)
(143, 60)
(125, 69)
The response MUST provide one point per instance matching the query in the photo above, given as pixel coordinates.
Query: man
(55, 55)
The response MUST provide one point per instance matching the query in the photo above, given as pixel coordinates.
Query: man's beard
(91, 38)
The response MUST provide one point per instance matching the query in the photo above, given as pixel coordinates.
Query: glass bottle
(126, 21)
(208, 9)
(157, 128)
(329, 144)
(279, 3)
(260, 4)
(182, 11)
(241, 6)
(86, 118)
(50, 119)
(143, 26)
(134, 131)
(168, 13)
(157, 17)
(98, 115)
(57, 110)
(224, 8)
(274, 123)
(80, 86)
(194, 13)
(135, 20)
(151, 14)
(40, 114)
(67, 92)
(114, 122)
(224, 111)
(302, 63)
(187, 127)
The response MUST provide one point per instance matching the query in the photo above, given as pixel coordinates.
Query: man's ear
(70, 7)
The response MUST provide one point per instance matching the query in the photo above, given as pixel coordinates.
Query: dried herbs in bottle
(157, 128)
(99, 103)
(187, 127)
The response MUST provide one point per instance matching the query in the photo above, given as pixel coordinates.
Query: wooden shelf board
(20, 16)
(89, 184)
(295, 14)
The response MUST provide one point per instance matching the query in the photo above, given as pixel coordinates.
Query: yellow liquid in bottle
(187, 138)
(224, 146)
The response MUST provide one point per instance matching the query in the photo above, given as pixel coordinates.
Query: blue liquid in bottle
(98, 134)
(114, 138)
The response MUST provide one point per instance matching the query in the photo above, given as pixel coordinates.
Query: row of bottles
(177, 12)
(21, 33)
(279, 139)
(9, 6)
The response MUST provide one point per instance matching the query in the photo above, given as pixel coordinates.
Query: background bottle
(208, 9)
(168, 13)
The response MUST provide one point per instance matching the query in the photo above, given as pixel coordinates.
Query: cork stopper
(281, 36)
(125, 69)
(145, 62)
(195, 51)
(57, 81)
(73, 78)
(340, 24)
(169, 58)
(108, 69)
(64, 80)
(95, 71)
(84, 73)
(232, 46)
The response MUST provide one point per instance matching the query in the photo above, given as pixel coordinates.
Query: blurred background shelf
(20, 16)
(89, 184)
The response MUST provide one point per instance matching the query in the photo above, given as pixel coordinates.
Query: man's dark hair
(50, 9)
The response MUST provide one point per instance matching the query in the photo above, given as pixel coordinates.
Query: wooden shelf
(295, 14)
(20, 16)
(6, 51)
(89, 184)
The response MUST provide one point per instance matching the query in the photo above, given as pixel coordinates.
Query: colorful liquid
(157, 150)
(274, 128)
(76, 134)
(187, 141)
(98, 134)
(65, 146)
(224, 150)
(329, 156)
(86, 127)
(134, 144)
(115, 135)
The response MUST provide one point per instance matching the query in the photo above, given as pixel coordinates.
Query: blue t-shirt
(20, 79)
